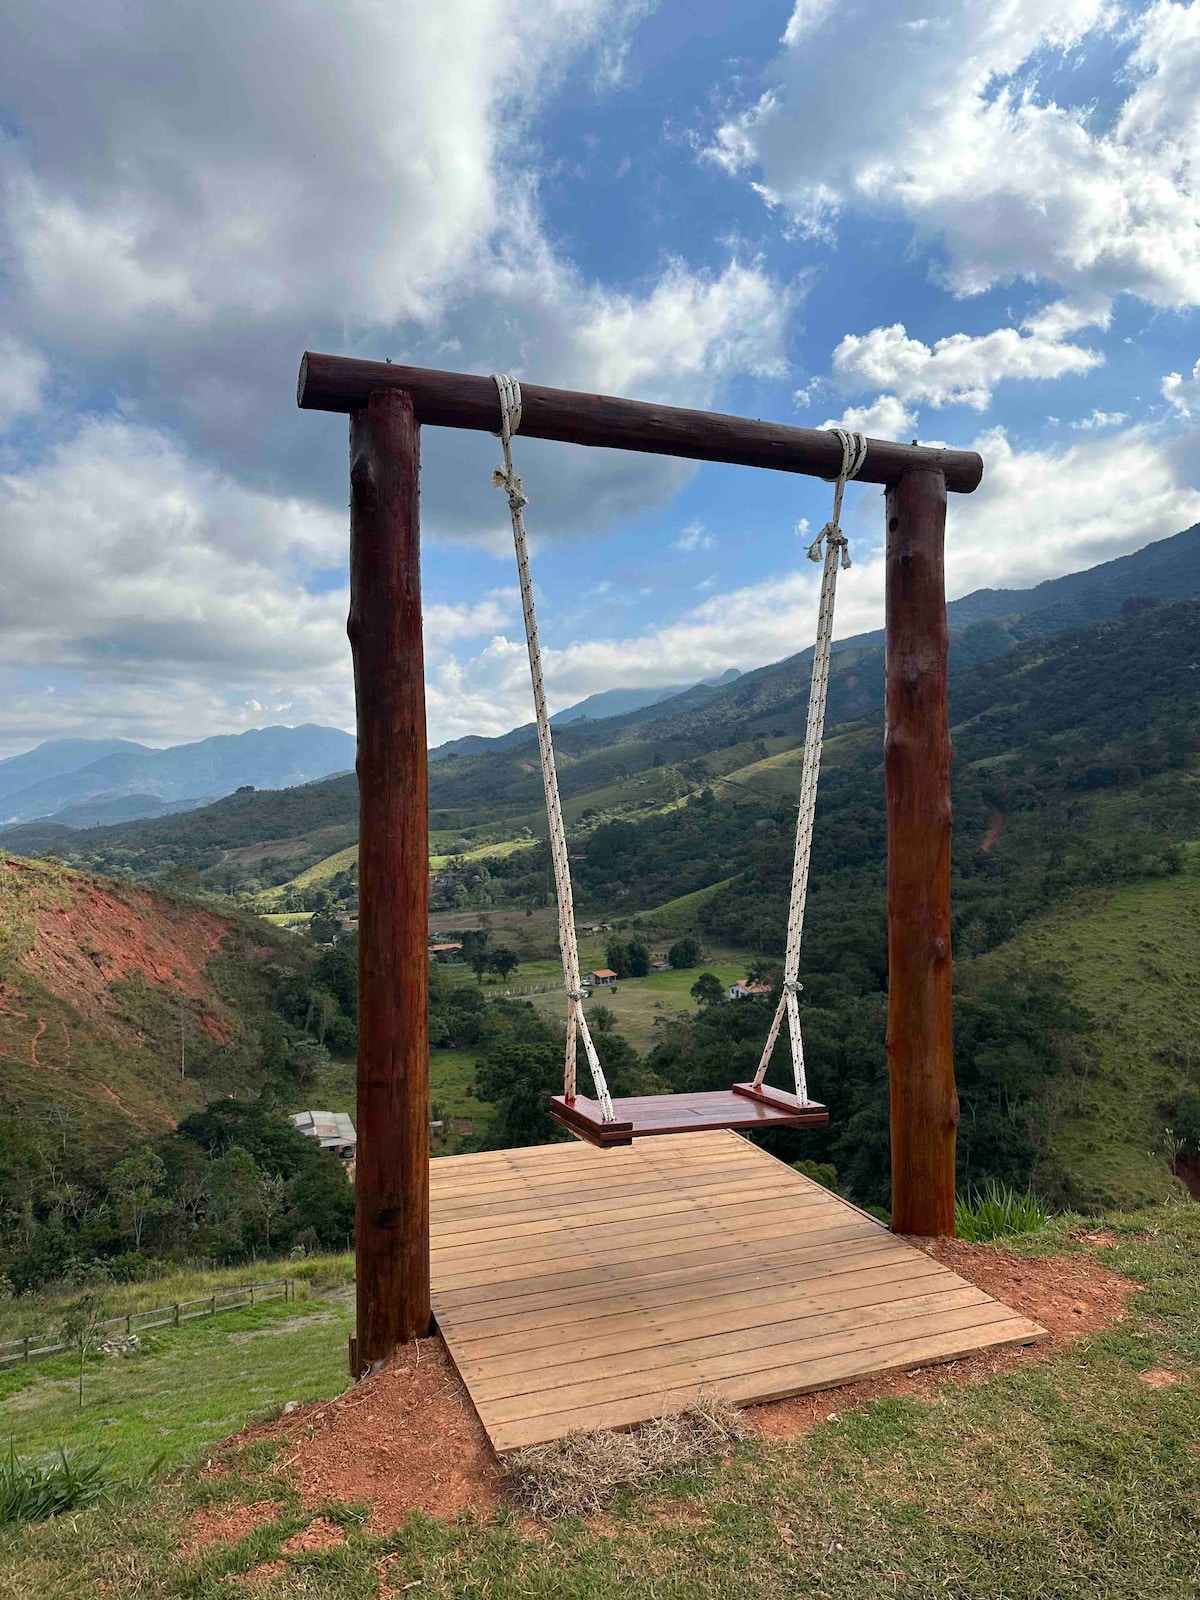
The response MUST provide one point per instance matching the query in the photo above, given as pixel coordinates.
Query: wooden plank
(857, 1341)
(692, 1345)
(887, 1285)
(467, 400)
(551, 1312)
(732, 1273)
(753, 1387)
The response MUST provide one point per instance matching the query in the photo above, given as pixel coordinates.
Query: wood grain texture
(611, 1286)
(645, 1116)
(392, 1163)
(924, 1101)
(466, 400)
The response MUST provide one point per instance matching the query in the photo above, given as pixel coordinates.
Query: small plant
(31, 1491)
(996, 1210)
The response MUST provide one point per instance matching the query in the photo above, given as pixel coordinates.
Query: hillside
(105, 992)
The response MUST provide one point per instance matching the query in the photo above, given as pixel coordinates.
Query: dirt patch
(406, 1439)
(995, 832)
(319, 1535)
(1068, 1295)
(219, 1525)
(1161, 1377)
(264, 1572)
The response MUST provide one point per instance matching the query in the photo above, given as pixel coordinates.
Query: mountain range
(83, 783)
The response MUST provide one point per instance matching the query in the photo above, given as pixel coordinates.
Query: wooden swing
(388, 407)
(603, 1121)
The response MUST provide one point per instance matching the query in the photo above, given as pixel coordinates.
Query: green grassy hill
(1131, 958)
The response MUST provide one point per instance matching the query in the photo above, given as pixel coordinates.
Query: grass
(1133, 961)
(996, 1211)
(638, 1003)
(1065, 1479)
(33, 1491)
(184, 1388)
(679, 916)
(32, 1313)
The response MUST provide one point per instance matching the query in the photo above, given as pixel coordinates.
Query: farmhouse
(751, 989)
(603, 978)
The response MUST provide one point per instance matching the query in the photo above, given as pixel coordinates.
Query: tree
(616, 957)
(503, 962)
(638, 958)
(82, 1328)
(707, 989)
(323, 1200)
(685, 953)
(136, 1187)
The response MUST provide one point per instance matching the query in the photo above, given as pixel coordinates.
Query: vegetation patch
(585, 1473)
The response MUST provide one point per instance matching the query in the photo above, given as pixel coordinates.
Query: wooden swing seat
(638, 1117)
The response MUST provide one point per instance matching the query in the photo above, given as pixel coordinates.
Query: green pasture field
(1072, 1478)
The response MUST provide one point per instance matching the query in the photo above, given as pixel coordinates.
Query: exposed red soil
(406, 1439)
(1162, 1378)
(80, 936)
(1068, 1295)
(995, 832)
(221, 1525)
(320, 1534)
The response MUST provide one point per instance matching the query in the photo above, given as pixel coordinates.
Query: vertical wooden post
(924, 1101)
(392, 1157)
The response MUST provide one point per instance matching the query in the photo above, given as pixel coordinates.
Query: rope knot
(792, 986)
(576, 994)
(837, 541)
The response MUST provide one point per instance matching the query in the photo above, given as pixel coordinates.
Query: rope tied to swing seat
(505, 477)
(833, 549)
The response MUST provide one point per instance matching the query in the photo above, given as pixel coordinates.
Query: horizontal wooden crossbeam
(466, 400)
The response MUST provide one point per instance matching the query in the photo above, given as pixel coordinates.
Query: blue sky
(963, 220)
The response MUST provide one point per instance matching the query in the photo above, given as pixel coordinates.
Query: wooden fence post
(392, 1159)
(924, 1101)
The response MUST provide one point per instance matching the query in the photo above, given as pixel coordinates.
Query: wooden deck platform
(585, 1288)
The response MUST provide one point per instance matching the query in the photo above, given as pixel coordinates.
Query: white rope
(505, 478)
(854, 453)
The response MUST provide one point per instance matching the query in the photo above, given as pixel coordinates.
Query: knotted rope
(506, 478)
(837, 549)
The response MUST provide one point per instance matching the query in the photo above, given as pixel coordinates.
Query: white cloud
(931, 109)
(695, 537)
(23, 373)
(1100, 419)
(885, 418)
(1183, 393)
(164, 600)
(960, 369)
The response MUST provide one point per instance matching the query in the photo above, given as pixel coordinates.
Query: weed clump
(996, 1210)
(32, 1491)
(584, 1473)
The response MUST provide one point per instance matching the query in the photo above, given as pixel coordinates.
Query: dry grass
(584, 1473)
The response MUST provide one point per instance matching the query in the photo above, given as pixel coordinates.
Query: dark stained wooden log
(392, 1160)
(924, 1101)
(465, 400)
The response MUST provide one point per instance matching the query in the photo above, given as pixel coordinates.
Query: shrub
(996, 1210)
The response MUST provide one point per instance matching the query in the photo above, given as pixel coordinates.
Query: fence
(35, 1345)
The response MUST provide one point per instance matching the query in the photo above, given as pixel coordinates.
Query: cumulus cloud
(173, 600)
(961, 368)
(1183, 393)
(884, 418)
(946, 126)
(1100, 419)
